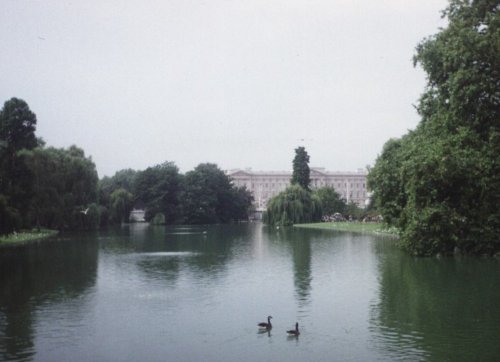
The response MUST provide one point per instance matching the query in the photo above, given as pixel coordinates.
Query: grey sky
(237, 83)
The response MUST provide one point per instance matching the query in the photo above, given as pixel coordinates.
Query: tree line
(440, 183)
(59, 188)
(204, 195)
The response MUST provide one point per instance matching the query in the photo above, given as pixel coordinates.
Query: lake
(152, 293)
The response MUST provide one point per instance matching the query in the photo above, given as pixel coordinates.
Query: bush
(158, 219)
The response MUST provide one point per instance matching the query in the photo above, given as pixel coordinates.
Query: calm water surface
(144, 293)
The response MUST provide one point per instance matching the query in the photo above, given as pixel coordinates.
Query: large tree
(440, 183)
(65, 185)
(292, 206)
(331, 202)
(124, 180)
(121, 205)
(301, 172)
(17, 132)
(159, 189)
(17, 127)
(209, 197)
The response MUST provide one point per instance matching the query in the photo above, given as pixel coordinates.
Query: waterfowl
(267, 325)
(294, 332)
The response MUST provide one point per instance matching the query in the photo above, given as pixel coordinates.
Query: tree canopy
(17, 132)
(296, 204)
(301, 173)
(292, 206)
(209, 197)
(439, 183)
(17, 126)
(65, 186)
(331, 202)
(159, 189)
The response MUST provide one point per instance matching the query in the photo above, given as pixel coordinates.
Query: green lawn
(26, 236)
(357, 227)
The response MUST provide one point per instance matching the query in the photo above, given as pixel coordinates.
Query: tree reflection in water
(51, 271)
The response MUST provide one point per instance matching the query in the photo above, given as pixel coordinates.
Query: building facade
(351, 186)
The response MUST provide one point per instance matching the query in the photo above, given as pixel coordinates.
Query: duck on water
(294, 332)
(265, 325)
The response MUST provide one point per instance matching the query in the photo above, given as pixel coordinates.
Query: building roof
(314, 171)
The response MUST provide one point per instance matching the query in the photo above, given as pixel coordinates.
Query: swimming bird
(294, 332)
(267, 325)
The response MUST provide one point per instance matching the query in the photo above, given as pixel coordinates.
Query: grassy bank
(26, 236)
(355, 227)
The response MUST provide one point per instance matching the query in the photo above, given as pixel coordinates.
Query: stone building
(265, 184)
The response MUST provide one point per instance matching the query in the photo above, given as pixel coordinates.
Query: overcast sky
(237, 83)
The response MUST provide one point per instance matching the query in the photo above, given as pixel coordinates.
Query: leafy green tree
(121, 205)
(159, 188)
(66, 185)
(17, 132)
(301, 171)
(331, 202)
(292, 206)
(439, 184)
(209, 197)
(17, 127)
(387, 182)
(123, 179)
(242, 203)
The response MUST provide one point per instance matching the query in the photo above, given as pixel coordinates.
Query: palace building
(351, 186)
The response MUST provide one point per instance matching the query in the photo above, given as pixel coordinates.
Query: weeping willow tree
(292, 206)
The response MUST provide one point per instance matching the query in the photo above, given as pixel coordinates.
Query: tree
(159, 189)
(209, 197)
(441, 181)
(292, 206)
(65, 187)
(331, 202)
(17, 132)
(17, 127)
(123, 179)
(301, 171)
(121, 205)
(242, 203)
(386, 180)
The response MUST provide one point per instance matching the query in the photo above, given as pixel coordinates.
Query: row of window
(281, 186)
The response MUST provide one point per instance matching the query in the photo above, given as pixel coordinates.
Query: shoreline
(355, 227)
(25, 237)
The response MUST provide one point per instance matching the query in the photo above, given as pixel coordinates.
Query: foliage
(158, 219)
(121, 205)
(331, 202)
(123, 179)
(59, 188)
(92, 220)
(209, 197)
(159, 188)
(27, 236)
(354, 212)
(17, 132)
(9, 217)
(439, 184)
(292, 206)
(65, 184)
(17, 127)
(242, 203)
(301, 171)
